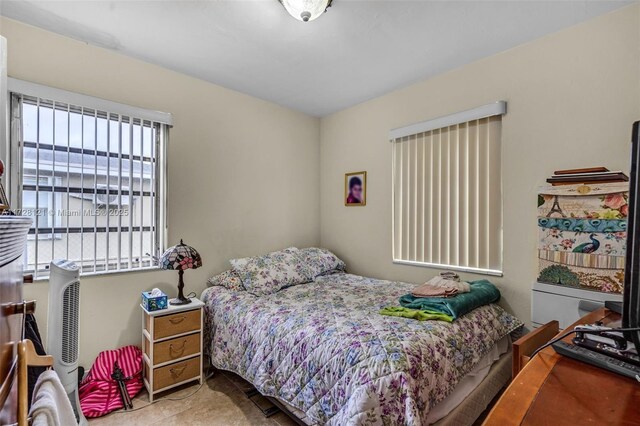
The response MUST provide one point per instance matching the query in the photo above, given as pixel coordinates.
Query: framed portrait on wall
(355, 189)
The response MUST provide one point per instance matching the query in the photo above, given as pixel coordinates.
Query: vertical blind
(92, 180)
(447, 196)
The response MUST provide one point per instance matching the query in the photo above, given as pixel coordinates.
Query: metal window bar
(79, 190)
(79, 230)
(37, 212)
(68, 174)
(51, 217)
(119, 254)
(129, 210)
(85, 151)
(153, 146)
(141, 186)
(95, 195)
(108, 182)
(51, 167)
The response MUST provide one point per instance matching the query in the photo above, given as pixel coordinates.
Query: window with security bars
(447, 192)
(92, 180)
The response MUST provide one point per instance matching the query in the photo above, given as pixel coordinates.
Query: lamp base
(180, 301)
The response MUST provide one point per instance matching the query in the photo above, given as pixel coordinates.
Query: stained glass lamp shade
(180, 257)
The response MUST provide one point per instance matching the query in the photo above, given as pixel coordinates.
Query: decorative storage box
(582, 232)
(151, 303)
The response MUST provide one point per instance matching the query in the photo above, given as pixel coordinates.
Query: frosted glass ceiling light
(306, 10)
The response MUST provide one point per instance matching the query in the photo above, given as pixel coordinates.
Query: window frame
(498, 108)
(14, 169)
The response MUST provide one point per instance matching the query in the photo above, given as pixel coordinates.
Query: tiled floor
(220, 401)
(217, 402)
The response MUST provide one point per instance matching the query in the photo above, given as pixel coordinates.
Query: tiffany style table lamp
(180, 257)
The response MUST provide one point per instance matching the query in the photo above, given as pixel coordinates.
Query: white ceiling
(356, 51)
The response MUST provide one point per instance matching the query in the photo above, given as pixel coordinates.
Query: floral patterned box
(153, 303)
(582, 235)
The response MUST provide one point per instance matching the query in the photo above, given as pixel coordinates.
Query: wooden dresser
(555, 390)
(172, 346)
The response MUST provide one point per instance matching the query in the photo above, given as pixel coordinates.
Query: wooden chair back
(527, 344)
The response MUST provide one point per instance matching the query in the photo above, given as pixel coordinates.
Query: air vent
(70, 303)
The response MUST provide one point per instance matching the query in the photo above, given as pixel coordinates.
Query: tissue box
(153, 303)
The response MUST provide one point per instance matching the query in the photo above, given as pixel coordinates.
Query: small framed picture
(355, 189)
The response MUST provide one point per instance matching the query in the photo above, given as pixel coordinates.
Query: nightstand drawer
(176, 373)
(176, 348)
(177, 323)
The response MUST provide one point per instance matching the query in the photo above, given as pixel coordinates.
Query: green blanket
(398, 311)
(482, 293)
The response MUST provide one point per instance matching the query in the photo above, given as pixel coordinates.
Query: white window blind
(93, 181)
(447, 192)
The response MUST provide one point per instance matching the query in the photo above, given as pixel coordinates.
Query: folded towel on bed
(450, 275)
(440, 287)
(482, 292)
(420, 315)
(430, 290)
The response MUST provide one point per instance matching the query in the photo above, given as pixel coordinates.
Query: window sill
(479, 271)
(43, 278)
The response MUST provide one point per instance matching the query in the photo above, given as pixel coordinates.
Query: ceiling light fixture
(306, 10)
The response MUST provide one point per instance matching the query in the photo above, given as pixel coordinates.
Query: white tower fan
(62, 330)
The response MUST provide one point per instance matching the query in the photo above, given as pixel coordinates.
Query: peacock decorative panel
(582, 235)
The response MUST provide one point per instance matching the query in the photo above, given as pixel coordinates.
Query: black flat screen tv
(631, 301)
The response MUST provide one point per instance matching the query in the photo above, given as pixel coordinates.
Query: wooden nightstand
(172, 346)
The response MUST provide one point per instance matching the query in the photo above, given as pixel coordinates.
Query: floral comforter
(323, 348)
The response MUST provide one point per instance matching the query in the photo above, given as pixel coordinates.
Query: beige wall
(243, 173)
(572, 97)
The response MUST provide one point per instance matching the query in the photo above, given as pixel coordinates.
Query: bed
(323, 350)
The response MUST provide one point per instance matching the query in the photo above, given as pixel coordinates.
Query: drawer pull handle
(179, 350)
(176, 372)
(177, 320)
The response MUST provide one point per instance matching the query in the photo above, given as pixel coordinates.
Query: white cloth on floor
(51, 405)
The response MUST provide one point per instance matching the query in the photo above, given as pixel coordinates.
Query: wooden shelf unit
(172, 346)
